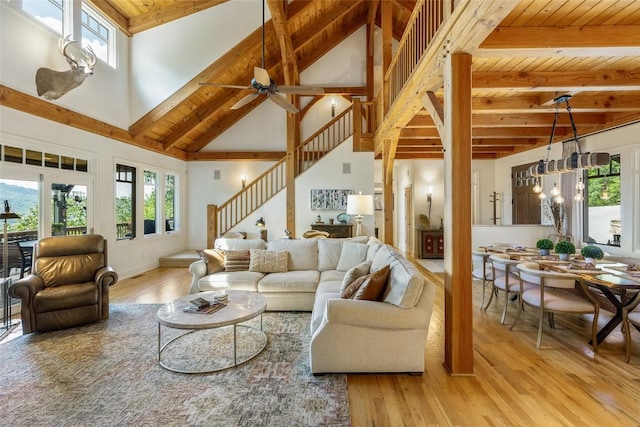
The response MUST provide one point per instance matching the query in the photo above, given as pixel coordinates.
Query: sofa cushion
(266, 261)
(329, 253)
(303, 254)
(374, 286)
(381, 258)
(353, 273)
(239, 244)
(357, 239)
(237, 260)
(352, 254)
(214, 258)
(291, 281)
(331, 276)
(240, 280)
(405, 283)
(326, 290)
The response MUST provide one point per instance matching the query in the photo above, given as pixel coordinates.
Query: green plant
(546, 244)
(565, 247)
(591, 251)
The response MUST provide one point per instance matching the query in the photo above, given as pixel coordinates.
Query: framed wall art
(329, 200)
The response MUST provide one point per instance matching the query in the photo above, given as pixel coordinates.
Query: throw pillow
(352, 254)
(214, 259)
(353, 287)
(353, 273)
(265, 261)
(373, 288)
(237, 261)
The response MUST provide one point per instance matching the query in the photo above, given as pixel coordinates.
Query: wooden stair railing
(323, 141)
(223, 218)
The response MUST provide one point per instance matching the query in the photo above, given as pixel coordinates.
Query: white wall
(25, 46)
(166, 57)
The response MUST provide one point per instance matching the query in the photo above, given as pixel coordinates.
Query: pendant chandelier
(574, 162)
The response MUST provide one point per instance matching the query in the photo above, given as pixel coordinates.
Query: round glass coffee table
(241, 307)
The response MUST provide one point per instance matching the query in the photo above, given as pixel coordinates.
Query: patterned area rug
(107, 373)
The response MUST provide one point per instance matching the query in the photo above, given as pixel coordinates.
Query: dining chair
(630, 319)
(482, 269)
(553, 293)
(505, 278)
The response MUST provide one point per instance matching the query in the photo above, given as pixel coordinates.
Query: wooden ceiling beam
(537, 120)
(561, 81)
(301, 38)
(245, 156)
(112, 14)
(162, 15)
(29, 104)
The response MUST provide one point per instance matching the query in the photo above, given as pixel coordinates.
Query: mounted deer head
(53, 84)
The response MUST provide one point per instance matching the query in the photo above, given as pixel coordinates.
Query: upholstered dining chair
(630, 319)
(69, 284)
(505, 278)
(482, 269)
(553, 293)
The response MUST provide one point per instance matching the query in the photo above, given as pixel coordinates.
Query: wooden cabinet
(431, 243)
(334, 230)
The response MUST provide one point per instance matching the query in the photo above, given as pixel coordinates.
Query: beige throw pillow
(353, 287)
(265, 261)
(237, 261)
(351, 254)
(374, 286)
(214, 258)
(352, 274)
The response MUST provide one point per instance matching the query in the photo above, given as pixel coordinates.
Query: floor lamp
(359, 205)
(6, 320)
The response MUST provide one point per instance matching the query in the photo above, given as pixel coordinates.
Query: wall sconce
(244, 181)
(333, 108)
(429, 194)
(260, 223)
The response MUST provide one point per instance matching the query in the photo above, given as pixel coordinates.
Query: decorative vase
(544, 252)
(564, 257)
(590, 261)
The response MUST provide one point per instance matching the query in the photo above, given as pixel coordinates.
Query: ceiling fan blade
(227, 86)
(282, 102)
(301, 90)
(262, 76)
(244, 101)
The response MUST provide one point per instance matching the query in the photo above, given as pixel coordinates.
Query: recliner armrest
(26, 288)
(374, 314)
(106, 277)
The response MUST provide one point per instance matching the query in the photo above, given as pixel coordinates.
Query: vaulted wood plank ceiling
(543, 48)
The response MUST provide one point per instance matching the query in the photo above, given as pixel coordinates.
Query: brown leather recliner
(69, 284)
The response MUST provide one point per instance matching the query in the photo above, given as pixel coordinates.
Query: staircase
(223, 218)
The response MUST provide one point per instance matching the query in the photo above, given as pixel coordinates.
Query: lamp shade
(360, 204)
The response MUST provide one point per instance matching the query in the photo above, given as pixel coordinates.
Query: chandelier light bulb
(542, 196)
(555, 191)
(558, 199)
(580, 185)
(578, 197)
(537, 188)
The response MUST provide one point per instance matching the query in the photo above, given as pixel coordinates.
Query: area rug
(107, 373)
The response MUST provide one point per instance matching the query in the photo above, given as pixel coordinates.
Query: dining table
(621, 287)
(619, 283)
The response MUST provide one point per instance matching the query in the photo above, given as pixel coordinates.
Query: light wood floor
(514, 384)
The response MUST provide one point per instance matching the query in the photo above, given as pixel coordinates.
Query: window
(49, 12)
(150, 204)
(125, 202)
(85, 24)
(68, 209)
(602, 204)
(99, 34)
(170, 202)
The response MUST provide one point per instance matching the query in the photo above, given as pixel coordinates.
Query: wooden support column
(458, 341)
(212, 225)
(387, 192)
(386, 16)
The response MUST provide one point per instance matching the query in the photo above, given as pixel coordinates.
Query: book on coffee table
(210, 309)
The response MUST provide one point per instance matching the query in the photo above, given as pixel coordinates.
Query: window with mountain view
(602, 205)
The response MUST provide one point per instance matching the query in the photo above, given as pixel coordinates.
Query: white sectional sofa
(348, 335)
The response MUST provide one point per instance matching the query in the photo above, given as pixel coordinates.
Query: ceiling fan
(262, 84)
